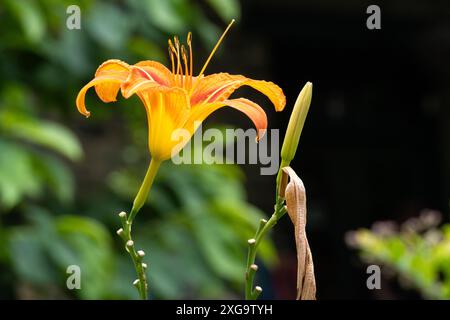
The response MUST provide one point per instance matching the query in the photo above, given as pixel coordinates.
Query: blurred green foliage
(195, 225)
(418, 251)
(27, 168)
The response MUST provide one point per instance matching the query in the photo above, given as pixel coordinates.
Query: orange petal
(173, 101)
(139, 80)
(218, 87)
(249, 108)
(167, 110)
(137, 77)
(107, 91)
(106, 83)
(269, 89)
(108, 78)
(157, 72)
(209, 88)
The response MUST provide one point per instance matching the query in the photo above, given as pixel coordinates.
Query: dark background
(376, 141)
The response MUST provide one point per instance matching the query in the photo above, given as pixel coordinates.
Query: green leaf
(91, 244)
(28, 256)
(220, 248)
(60, 52)
(30, 18)
(243, 220)
(108, 25)
(57, 176)
(42, 251)
(88, 227)
(163, 14)
(45, 133)
(146, 49)
(17, 178)
(178, 269)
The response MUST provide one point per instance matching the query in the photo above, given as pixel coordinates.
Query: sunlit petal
(108, 78)
(157, 72)
(107, 91)
(269, 89)
(219, 87)
(167, 110)
(108, 83)
(137, 79)
(249, 108)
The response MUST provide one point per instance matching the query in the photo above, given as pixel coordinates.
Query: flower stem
(142, 194)
(125, 232)
(251, 292)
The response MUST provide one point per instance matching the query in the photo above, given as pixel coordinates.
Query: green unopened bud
(296, 123)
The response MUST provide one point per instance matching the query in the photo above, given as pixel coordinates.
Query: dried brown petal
(296, 206)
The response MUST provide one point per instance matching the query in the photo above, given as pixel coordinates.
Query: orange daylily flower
(176, 99)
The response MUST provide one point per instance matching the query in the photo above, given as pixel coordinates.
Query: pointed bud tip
(296, 123)
(307, 89)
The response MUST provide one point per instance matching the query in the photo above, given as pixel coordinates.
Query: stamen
(215, 48)
(186, 69)
(171, 59)
(179, 71)
(171, 53)
(191, 58)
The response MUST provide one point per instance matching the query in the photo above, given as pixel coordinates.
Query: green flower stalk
(142, 194)
(125, 232)
(289, 148)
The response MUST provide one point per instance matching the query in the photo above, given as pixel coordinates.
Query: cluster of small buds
(129, 244)
(253, 268)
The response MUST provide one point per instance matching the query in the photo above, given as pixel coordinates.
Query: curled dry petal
(295, 195)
